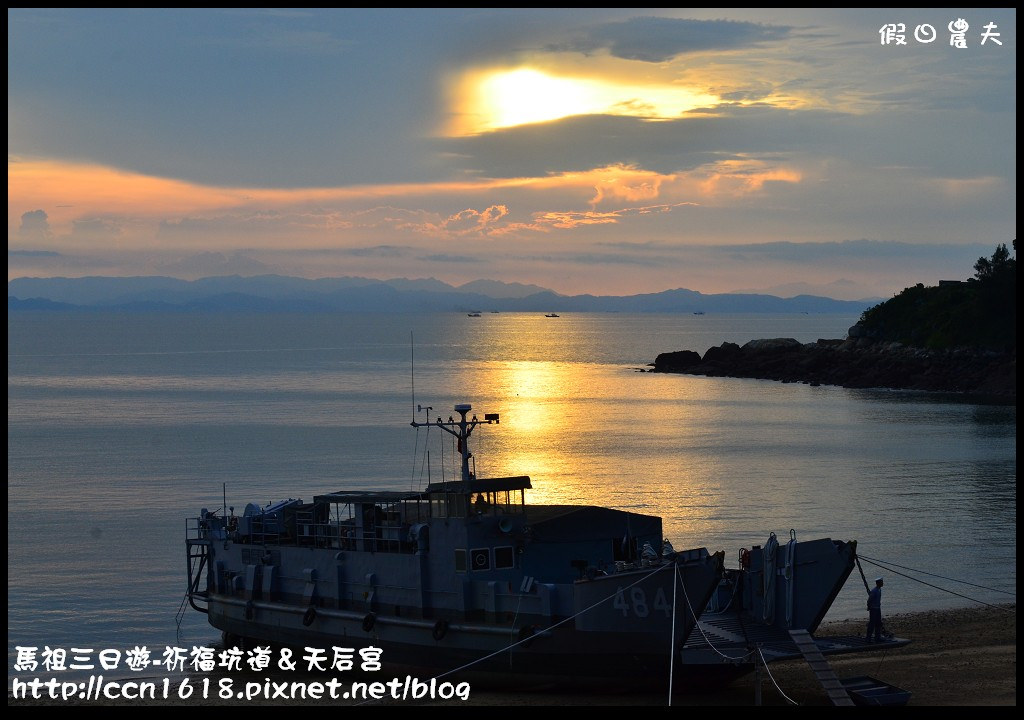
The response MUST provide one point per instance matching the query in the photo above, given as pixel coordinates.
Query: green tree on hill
(1001, 265)
(981, 313)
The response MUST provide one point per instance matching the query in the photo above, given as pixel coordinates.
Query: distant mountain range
(278, 293)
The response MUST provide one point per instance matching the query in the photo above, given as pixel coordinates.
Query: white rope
(925, 572)
(696, 624)
(180, 615)
(672, 644)
(552, 627)
(515, 619)
(772, 678)
(790, 576)
(951, 592)
(768, 579)
(534, 637)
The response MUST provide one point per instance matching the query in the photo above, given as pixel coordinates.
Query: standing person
(875, 612)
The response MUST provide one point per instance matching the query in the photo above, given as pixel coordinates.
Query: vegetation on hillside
(979, 313)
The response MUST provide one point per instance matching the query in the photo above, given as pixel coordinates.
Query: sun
(488, 100)
(529, 96)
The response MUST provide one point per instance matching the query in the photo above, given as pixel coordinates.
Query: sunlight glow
(493, 100)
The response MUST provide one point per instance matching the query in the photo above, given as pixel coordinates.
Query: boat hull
(620, 631)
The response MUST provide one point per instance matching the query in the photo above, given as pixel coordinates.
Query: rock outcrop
(857, 362)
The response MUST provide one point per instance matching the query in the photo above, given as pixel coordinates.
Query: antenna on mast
(412, 373)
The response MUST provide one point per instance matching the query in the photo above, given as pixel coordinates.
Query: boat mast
(461, 429)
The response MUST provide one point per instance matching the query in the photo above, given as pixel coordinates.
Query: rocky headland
(958, 337)
(856, 362)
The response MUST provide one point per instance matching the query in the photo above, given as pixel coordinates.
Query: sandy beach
(957, 657)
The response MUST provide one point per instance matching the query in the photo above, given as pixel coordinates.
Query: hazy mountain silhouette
(278, 293)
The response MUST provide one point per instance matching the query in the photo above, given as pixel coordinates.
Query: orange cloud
(626, 183)
(570, 220)
(50, 182)
(963, 188)
(72, 191)
(100, 189)
(66, 189)
(742, 177)
(158, 208)
(465, 222)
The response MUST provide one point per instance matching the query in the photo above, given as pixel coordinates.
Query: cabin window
(504, 557)
(457, 505)
(438, 505)
(415, 512)
(481, 558)
(460, 561)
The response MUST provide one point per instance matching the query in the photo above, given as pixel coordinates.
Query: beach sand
(956, 658)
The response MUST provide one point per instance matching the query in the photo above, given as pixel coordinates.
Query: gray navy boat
(468, 575)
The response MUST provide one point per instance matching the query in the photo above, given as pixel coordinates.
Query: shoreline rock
(857, 362)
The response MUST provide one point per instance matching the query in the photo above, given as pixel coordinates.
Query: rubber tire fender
(440, 630)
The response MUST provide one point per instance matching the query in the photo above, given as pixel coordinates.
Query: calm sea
(119, 426)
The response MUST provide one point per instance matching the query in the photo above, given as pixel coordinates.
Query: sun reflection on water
(569, 428)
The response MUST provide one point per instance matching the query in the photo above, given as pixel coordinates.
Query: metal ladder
(824, 672)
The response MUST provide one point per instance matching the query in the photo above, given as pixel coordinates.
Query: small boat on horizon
(474, 314)
(552, 315)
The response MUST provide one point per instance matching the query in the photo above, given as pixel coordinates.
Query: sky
(601, 151)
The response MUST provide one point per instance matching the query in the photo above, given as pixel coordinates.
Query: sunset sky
(592, 151)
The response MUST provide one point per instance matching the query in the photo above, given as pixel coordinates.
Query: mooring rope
(672, 642)
(696, 624)
(951, 592)
(180, 615)
(790, 572)
(552, 627)
(772, 678)
(943, 577)
(515, 619)
(768, 579)
(862, 575)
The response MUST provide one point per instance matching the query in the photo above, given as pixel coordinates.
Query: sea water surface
(122, 425)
